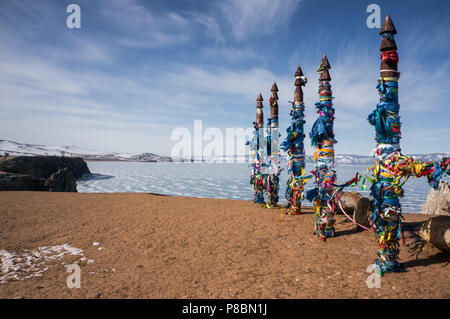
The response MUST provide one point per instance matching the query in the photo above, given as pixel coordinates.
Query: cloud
(221, 80)
(138, 26)
(210, 23)
(88, 50)
(232, 55)
(257, 17)
(43, 77)
(90, 89)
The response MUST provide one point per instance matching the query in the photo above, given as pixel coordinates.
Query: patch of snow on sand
(33, 263)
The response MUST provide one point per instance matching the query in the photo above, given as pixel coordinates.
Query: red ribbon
(391, 55)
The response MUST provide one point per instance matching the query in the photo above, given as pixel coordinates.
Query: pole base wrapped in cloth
(258, 181)
(257, 153)
(387, 176)
(392, 169)
(294, 146)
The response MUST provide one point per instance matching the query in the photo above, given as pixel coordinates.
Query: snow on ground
(33, 263)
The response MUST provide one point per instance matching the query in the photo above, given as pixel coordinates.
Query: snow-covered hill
(15, 148)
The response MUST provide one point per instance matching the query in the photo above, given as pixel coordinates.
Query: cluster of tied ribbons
(294, 146)
(326, 194)
(322, 137)
(258, 178)
(260, 147)
(272, 179)
(392, 169)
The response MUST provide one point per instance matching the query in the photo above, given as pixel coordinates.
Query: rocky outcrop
(41, 173)
(62, 181)
(150, 157)
(349, 200)
(363, 210)
(20, 182)
(44, 166)
(436, 231)
(438, 201)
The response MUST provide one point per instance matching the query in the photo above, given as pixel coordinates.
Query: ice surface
(217, 180)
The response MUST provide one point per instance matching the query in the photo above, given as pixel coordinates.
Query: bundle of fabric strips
(322, 137)
(258, 181)
(392, 169)
(387, 176)
(294, 146)
(272, 182)
(257, 154)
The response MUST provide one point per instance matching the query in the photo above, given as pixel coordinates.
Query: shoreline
(307, 205)
(183, 247)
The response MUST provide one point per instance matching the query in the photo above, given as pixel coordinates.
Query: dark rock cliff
(41, 173)
(20, 182)
(44, 166)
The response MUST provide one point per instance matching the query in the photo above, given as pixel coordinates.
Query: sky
(137, 70)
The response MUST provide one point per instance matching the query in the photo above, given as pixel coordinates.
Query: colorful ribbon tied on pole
(322, 137)
(294, 146)
(258, 179)
(326, 193)
(272, 181)
(392, 169)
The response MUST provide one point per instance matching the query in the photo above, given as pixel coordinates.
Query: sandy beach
(150, 246)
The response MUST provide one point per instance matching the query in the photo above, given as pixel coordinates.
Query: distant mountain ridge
(15, 149)
(25, 149)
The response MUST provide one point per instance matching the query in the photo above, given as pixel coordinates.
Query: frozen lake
(214, 180)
